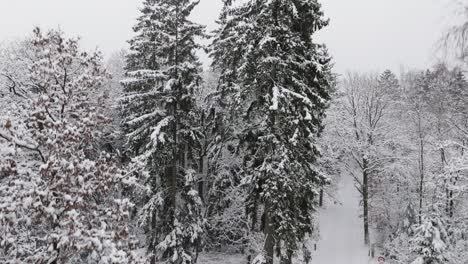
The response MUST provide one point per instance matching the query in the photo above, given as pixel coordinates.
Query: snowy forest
(267, 156)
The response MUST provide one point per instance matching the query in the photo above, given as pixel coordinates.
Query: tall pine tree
(158, 106)
(278, 82)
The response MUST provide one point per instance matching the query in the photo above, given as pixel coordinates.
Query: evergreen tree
(278, 80)
(430, 241)
(161, 126)
(389, 84)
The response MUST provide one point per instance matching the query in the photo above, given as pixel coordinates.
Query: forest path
(341, 229)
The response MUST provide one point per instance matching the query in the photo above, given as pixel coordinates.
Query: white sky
(364, 35)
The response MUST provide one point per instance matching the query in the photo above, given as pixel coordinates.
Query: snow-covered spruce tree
(389, 83)
(57, 202)
(162, 129)
(430, 241)
(279, 81)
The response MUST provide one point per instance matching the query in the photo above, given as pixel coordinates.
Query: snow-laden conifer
(162, 130)
(277, 81)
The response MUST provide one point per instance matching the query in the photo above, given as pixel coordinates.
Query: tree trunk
(289, 257)
(448, 193)
(421, 177)
(176, 152)
(321, 197)
(153, 238)
(201, 181)
(451, 204)
(365, 200)
(269, 236)
(173, 184)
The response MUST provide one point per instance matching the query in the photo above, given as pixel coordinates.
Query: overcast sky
(364, 35)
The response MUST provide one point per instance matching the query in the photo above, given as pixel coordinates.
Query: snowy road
(341, 230)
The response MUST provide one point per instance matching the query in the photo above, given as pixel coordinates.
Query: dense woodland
(143, 157)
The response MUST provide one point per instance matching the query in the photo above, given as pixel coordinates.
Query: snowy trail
(341, 230)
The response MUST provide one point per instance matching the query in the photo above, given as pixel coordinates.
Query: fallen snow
(341, 232)
(341, 229)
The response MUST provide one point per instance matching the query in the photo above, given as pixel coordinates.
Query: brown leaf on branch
(8, 124)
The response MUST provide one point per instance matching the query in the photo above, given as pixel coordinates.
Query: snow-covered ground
(341, 234)
(341, 229)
